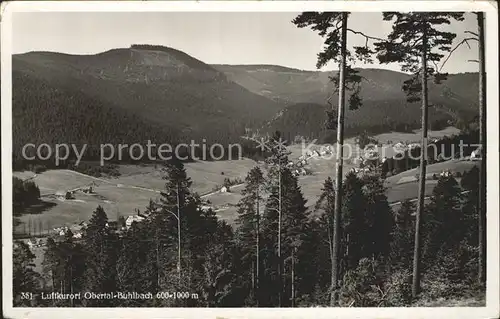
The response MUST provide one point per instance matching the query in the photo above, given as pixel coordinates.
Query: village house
(224, 189)
(33, 242)
(61, 231)
(88, 190)
(131, 219)
(77, 235)
(113, 224)
(64, 195)
(446, 173)
(205, 207)
(476, 154)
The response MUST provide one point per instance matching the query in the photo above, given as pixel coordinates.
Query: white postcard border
(492, 300)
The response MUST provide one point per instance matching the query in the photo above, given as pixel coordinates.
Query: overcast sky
(214, 38)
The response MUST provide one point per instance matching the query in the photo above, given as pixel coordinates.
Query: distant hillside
(139, 91)
(161, 94)
(384, 103)
(45, 113)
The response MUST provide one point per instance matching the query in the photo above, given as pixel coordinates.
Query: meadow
(137, 184)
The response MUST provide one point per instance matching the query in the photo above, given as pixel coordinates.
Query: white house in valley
(131, 219)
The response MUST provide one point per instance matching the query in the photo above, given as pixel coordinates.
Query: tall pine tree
(334, 27)
(101, 246)
(248, 232)
(417, 41)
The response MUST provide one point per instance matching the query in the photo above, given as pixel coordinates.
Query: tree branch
(366, 36)
(466, 41)
(473, 33)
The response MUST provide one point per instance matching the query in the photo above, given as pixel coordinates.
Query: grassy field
(452, 165)
(121, 196)
(415, 136)
(204, 175)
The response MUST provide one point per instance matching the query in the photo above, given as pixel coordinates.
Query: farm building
(446, 173)
(64, 195)
(88, 189)
(132, 219)
(475, 155)
(224, 189)
(205, 207)
(112, 225)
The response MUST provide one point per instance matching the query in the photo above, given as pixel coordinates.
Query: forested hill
(290, 86)
(145, 92)
(305, 94)
(131, 94)
(44, 113)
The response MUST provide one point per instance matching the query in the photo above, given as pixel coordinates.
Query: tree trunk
(252, 272)
(178, 233)
(293, 277)
(338, 180)
(280, 279)
(257, 248)
(423, 163)
(482, 141)
(157, 261)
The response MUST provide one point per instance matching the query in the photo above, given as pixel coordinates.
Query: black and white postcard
(250, 159)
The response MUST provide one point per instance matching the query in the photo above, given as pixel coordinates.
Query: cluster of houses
(298, 168)
(77, 230)
(35, 242)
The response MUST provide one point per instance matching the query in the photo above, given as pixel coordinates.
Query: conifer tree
(482, 143)
(101, 247)
(469, 183)
(72, 263)
(51, 262)
(277, 161)
(173, 200)
(379, 217)
(334, 27)
(294, 234)
(179, 223)
(219, 268)
(353, 226)
(479, 37)
(24, 277)
(248, 231)
(445, 248)
(326, 202)
(444, 223)
(134, 273)
(416, 41)
(402, 243)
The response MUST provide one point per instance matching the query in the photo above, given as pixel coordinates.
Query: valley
(138, 184)
(193, 155)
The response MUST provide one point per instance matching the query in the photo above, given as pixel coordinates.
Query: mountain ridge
(180, 98)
